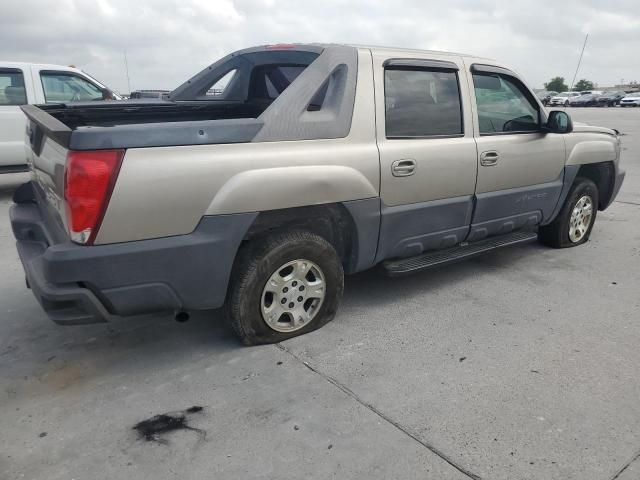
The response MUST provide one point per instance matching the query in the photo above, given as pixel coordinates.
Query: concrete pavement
(523, 364)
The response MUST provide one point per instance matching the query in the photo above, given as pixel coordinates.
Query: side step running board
(404, 266)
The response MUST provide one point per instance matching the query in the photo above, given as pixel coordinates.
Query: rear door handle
(489, 159)
(403, 168)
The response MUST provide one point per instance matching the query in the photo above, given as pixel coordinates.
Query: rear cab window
(422, 102)
(504, 105)
(12, 89)
(62, 87)
(253, 80)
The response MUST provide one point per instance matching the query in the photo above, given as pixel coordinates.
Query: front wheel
(572, 226)
(285, 285)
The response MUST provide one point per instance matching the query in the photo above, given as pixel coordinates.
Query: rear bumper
(87, 284)
(64, 304)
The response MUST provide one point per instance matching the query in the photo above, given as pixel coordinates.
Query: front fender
(592, 151)
(286, 187)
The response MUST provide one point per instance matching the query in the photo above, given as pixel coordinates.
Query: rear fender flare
(285, 187)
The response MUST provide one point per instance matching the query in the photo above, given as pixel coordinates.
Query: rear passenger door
(520, 167)
(12, 121)
(427, 152)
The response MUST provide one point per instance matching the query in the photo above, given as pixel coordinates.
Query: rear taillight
(88, 183)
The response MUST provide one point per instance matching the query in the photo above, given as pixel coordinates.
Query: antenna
(579, 61)
(126, 67)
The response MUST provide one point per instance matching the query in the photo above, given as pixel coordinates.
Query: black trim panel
(408, 230)
(14, 168)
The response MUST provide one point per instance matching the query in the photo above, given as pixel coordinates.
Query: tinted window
(271, 80)
(504, 105)
(421, 103)
(68, 87)
(12, 90)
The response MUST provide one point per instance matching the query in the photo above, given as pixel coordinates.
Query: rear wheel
(572, 226)
(284, 285)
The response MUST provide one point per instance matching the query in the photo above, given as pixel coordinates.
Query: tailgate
(46, 144)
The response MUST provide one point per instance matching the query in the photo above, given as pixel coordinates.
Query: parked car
(314, 161)
(545, 96)
(610, 99)
(631, 100)
(562, 99)
(149, 94)
(591, 92)
(584, 101)
(28, 83)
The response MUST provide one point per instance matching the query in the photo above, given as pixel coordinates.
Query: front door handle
(403, 168)
(489, 159)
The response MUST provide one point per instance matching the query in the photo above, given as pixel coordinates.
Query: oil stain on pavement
(153, 429)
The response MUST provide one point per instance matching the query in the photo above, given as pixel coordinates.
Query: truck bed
(131, 124)
(108, 114)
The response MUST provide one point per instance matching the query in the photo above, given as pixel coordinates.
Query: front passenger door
(520, 167)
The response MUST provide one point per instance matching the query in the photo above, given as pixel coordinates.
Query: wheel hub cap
(293, 296)
(580, 218)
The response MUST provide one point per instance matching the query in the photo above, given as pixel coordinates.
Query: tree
(583, 85)
(556, 85)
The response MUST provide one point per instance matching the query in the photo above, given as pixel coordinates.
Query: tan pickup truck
(264, 178)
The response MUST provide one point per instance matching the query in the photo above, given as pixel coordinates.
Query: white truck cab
(28, 83)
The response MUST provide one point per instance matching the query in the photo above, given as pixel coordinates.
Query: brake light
(88, 183)
(280, 46)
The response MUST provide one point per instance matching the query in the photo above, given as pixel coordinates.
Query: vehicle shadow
(37, 353)
(374, 288)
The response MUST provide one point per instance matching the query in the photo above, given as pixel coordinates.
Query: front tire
(287, 284)
(573, 225)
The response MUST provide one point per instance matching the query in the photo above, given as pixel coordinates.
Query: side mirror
(559, 121)
(107, 94)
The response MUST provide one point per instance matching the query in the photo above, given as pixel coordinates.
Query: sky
(168, 41)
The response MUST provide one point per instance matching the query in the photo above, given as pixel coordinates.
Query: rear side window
(68, 87)
(504, 105)
(422, 103)
(220, 86)
(12, 91)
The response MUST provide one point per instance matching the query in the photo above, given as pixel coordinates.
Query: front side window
(421, 103)
(62, 87)
(503, 105)
(12, 91)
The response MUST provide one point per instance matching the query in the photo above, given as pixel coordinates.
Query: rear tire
(284, 285)
(573, 225)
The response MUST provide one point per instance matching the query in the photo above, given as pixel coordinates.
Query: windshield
(634, 94)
